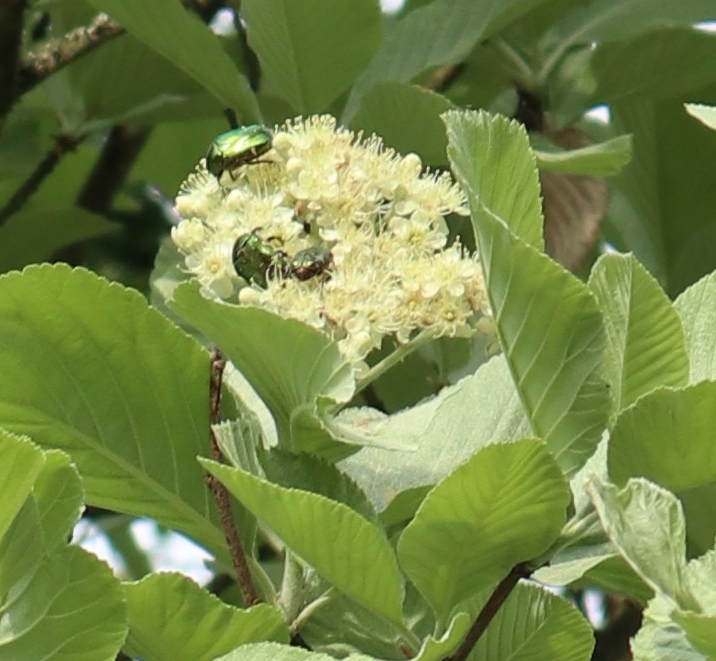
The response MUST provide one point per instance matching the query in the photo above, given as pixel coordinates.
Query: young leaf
(548, 323)
(504, 506)
(697, 309)
(341, 545)
(20, 464)
(296, 44)
(645, 343)
(169, 28)
(162, 608)
(646, 523)
(90, 369)
(600, 160)
(289, 364)
(59, 601)
(277, 652)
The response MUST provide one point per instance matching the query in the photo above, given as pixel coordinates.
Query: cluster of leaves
(587, 444)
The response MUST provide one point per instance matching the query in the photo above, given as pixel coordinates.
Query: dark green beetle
(255, 260)
(310, 262)
(237, 147)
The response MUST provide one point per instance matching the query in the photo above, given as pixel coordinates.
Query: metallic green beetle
(237, 147)
(310, 262)
(255, 260)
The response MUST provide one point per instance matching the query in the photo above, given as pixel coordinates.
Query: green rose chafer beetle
(237, 147)
(255, 260)
(310, 262)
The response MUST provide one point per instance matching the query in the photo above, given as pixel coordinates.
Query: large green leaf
(492, 160)
(407, 118)
(311, 51)
(504, 506)
(32, 236)
(645, 343)
(162, 608)
(541, 626)
(700, 630)
(662, 63)
(441, 433)
(667, 437)
(169, 29)
(57, 601)
(295, 369)
(697, 309)
(440, 32)
(341, 545)
(90, 369)
(548, 323)
(663, 204)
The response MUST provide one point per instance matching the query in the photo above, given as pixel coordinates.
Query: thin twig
(63, 144)
(489, 610)
(218, 490)
(442, 77)
(57, 54)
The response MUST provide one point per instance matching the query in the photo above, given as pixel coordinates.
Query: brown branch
(63, 144)
(119, 152)
(442, 77)
(11, 15)
(57, 54)
(221, 495)
(489, 610)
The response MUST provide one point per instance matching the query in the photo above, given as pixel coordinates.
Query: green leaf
(603, 159)
(90, 369)
(173, 32)
(59, 497)
(645, 343)
(162, 608)
(20, 464)
(58, 601)
(700, 630)
(491, 158)
(33, 236)
(441, 433)
(440, 32)
(340, 544)
(608, 20)
(312, 51)
(295, 369)
(548, 323)
(541, 626)
(662, 63)
(667, 437)
(407, 118)
(697, 309)
(504, 506)
(705, 114)
(646, 523)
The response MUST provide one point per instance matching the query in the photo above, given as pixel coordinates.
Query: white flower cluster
(378, 212)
